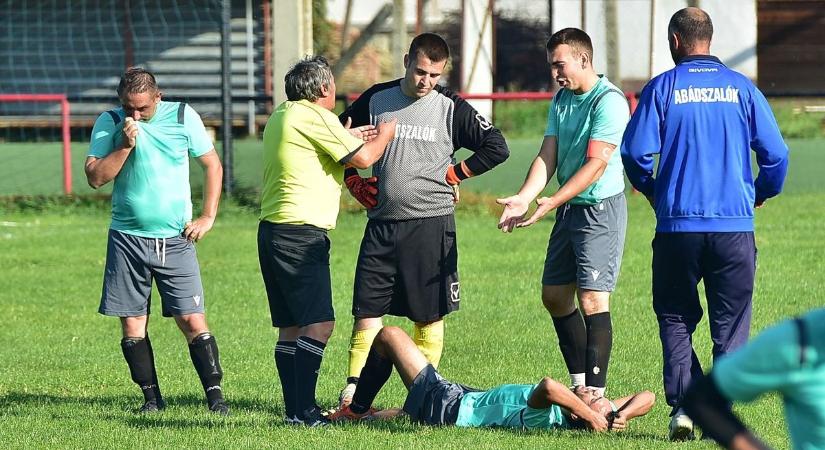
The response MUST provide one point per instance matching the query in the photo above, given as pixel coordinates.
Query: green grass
(63, 382)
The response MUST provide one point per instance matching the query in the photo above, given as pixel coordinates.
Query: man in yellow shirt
(305, 152)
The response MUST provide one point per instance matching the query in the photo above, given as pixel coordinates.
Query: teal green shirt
(574, 122)
(151, 195)
(772, 362)
(506, 406)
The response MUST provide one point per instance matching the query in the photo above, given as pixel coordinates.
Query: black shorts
(434, 400)
(295, 267)
(409, 269)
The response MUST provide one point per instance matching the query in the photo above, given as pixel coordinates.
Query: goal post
(64, 125)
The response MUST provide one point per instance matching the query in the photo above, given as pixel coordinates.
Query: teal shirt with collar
(151, 196)
(574, 121)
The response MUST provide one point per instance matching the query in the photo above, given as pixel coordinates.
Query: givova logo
(455, 292)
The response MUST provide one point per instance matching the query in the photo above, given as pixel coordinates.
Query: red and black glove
(364, 190)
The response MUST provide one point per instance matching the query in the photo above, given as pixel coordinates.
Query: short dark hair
(136, 80)
(306, 78)
(693, 25)
(577, 39)
(430, 45)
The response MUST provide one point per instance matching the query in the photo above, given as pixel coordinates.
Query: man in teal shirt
(789, 359)
(584, 126)
(433, 400)
(145, 146)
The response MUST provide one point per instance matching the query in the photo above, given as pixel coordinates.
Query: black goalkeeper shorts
(408, 268)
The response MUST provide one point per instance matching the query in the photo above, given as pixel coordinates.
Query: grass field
(35, 168)
(63, 382)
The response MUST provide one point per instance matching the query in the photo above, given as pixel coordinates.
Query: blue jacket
(703, 119)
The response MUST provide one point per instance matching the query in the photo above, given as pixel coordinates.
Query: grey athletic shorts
(586, 245)
(434, 400)
(132, 262)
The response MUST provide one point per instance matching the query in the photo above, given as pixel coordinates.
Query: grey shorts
(586, 245)
(132, 262)
(434, 400)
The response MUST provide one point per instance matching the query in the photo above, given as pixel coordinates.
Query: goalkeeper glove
(364, 190)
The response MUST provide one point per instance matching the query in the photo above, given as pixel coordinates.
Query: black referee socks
(285, 363)
(308, 356)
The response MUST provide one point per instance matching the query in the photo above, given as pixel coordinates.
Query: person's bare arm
(542, 169)
(100, 171)
(374, 148)
(598, 154)
(212, 179)
(551, 392)
(631, 407)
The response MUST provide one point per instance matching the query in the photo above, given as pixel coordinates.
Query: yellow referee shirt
(303, 147)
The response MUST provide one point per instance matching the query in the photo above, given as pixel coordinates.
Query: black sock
(374, 375)
(308, 356)
(352, 380)
(572, 340)
(141, 361)
(285, 363)
(204, 353)
(599, 344)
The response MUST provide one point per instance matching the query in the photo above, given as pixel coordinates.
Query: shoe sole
(681, 434)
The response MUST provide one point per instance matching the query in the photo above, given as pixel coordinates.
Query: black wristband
(350, 171)
(459, 172)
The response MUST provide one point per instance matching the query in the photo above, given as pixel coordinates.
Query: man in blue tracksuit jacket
(702, 119)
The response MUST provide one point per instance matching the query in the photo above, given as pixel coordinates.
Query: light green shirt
(506, 406)
(151, 195)
(773, 362)
(303, 147)
(574, 122)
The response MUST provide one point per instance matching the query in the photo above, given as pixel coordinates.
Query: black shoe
(220, 407)
(152, 406)
(311, 418)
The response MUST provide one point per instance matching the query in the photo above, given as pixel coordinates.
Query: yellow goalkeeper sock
(429, 339)
(359, 349)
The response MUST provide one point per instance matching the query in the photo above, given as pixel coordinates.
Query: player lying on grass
(433, 400)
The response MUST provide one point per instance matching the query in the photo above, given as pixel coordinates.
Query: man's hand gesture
(365, 132)
(515, 208)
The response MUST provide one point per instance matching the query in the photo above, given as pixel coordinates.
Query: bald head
(689, 32)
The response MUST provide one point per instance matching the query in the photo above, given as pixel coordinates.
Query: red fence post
(65, 126)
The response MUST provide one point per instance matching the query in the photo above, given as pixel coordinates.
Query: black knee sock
(572, 341)
(204, 353)
(599, 344)
(374, 375)
(285, 363)
(308, 356)
(141, 361)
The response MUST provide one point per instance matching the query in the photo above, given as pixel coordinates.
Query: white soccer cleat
(681, 427)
